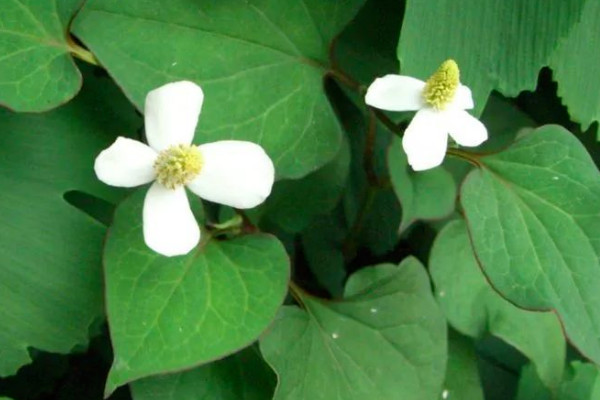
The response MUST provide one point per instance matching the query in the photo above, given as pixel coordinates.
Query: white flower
(235, 173)
(441, 103)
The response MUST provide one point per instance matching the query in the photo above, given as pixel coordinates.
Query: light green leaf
(534, 216)
(423, 195)
(166, 314)
(243, 375)
(574, 64)
(474, 308)
(50, 252)
(581, 383)
(498, 44)
(261, 64)
(386, 340)
(462, 376)
(37, 72)
(294, 204)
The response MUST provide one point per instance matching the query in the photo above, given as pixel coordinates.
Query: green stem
(369, 153)
(464, 155)
(397, 130)
(297, 293)
(81, 53)
(346, 80)
(234, 225)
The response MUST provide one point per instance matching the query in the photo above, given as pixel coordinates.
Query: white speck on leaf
(442, 293)
(445, 394)
(373, 310)
(555, 178)
(335, 335)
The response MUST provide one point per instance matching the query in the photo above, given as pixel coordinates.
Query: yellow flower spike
(178, 165)
(441, 87)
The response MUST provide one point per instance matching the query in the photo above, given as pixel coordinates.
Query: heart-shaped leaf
(533, 214)
(37, 72)
(385, 340)
(166, 314)
(261, 64)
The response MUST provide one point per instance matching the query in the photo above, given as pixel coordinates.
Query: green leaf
(474, 308)
(37, 72)
(582, 382)
(379, 229)
(294, 204)
(498, 44)
(364, 53)
(498, 380)
(533, 216)
(166, 314)
(423, 195)
(243, 375)
(573, 65)
(531, 387)
(323, 243)
(462, 376)
(386, 340)
(261, 64)
(50, 252)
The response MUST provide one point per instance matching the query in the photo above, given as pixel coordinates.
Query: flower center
(441, 87)
(178, 165)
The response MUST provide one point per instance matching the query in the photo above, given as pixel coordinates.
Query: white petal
(463, 99)
(396, 93)
(126, 163)
(235, 173)
(170, 228)
(171, 114)
(425, 140)
(465, 129)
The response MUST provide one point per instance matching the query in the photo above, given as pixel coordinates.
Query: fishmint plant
(382, 199)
